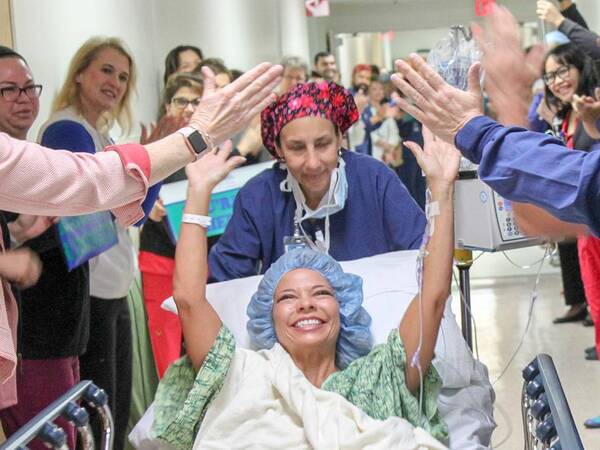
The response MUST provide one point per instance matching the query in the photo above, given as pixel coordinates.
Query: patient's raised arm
(199, 321)
(440, 162)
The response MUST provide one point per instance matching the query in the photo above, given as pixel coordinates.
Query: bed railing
(67, 407)
(547, 419)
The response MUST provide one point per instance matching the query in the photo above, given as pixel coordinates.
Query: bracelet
(197, 219)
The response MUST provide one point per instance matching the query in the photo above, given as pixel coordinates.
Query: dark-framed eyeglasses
(11, 93)
(562, 73)
(182, 102)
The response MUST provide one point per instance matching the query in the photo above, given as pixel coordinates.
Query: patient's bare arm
(440, 162)
(199, 321)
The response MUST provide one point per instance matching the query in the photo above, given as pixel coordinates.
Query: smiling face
(306, 313)
(17, 116)
(565, 86)
(104, 82)
(309, 146)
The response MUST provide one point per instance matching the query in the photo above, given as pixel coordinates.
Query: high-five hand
(437, 105)
(228, 110)
(438, 159)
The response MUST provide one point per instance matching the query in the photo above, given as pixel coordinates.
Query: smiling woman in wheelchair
(315, 379)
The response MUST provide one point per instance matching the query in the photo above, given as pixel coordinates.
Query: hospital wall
(241, 32)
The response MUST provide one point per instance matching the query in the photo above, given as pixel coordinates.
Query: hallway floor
(500, 307)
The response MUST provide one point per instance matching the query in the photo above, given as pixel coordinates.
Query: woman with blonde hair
(95, 96)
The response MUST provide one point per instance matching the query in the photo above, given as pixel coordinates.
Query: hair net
(354, 340)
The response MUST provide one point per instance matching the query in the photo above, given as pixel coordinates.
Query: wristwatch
(194, 140)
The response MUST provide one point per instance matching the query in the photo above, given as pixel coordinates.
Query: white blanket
(267, 403)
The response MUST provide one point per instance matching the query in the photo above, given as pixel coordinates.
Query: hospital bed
(389, 284)
(42, 426)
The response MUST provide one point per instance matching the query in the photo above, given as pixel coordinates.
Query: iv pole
(464, 260)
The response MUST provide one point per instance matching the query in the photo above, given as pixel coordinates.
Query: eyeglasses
(562, 73)
(182, 102)
(11, 93)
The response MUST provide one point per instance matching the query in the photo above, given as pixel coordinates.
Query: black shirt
(54, 317)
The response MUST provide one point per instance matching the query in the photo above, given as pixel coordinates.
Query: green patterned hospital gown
(375, 383)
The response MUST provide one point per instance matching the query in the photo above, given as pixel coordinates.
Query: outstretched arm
(440, 162)
(199, 321)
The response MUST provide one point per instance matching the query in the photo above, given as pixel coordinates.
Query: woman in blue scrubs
(348, 204)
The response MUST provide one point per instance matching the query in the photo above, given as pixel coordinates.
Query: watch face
(198, 143)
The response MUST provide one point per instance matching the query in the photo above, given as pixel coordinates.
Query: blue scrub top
(379, 216)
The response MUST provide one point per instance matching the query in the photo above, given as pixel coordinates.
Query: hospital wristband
(196, 219)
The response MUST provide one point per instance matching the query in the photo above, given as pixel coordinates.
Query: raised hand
(224, 112)
(548, 12)
(588, 110)
(212, 168)
(500, 45)
(438, 159)
(444, 109)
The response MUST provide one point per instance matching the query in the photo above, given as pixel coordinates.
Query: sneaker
(594, 422)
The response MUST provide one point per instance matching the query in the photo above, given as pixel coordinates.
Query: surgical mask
(332, 202)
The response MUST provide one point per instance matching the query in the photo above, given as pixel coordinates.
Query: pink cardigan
(36, 180)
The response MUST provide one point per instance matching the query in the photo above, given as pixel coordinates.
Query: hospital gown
(374, 383)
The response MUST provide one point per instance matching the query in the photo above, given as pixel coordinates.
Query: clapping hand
(588, 110)
(164, 127)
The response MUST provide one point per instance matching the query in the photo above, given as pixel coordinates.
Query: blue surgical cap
(355, 339)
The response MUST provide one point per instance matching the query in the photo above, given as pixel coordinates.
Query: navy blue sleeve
(148, 203)
(68, 135)
(535, 168)
(585, 39)
(404, 219)
(237, 253)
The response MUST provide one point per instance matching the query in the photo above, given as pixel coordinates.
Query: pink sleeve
(40, 181)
